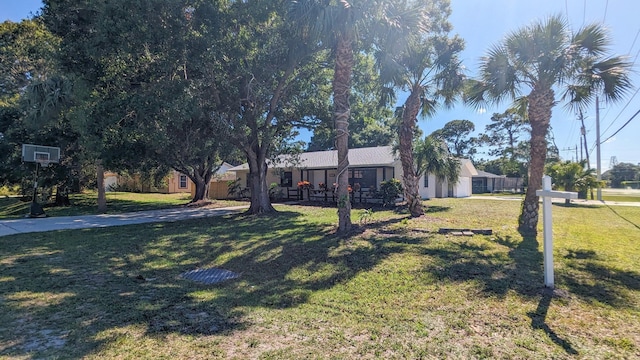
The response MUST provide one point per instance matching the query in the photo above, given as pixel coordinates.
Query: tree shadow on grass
(432, 209)
(76, 292)
(519, 270)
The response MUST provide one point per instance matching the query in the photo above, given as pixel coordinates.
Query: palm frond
(614, 77)
(592, 39)
(500, 74)
(475, 93)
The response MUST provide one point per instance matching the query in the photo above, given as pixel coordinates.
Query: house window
(426, 180)
(183, 182)
(286, 179)
(365, 177)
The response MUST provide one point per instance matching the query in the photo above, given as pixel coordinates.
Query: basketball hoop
(42, 155)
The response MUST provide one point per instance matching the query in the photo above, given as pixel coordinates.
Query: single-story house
(219, 184)
(176, 182)
(486, 182)
(368, 167)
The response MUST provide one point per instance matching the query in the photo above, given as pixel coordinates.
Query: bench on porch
(294, 194)
(366, 196)
(321, 195)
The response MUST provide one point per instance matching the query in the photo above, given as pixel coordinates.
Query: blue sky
(485, 22)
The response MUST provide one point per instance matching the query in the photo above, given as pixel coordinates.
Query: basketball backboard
(40, 153)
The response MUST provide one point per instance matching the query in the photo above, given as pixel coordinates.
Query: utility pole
(584, 137)
(572, 149)
(598, 166)
(581, 153)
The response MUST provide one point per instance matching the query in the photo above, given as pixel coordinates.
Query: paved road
(28, 225)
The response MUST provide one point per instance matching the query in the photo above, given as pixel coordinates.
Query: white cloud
(609, 141)
(481, 110)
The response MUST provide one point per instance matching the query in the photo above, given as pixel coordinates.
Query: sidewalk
(30, 225)
(574, 201)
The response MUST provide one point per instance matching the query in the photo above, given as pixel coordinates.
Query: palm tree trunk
(341, 89)
(540, 104)
(409, 179)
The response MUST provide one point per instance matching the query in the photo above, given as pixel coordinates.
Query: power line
(606, 6)
(622, 127)
(634, 41)
(635, 93)
(620, 113)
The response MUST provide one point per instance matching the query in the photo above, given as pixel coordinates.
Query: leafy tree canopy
(456, 134)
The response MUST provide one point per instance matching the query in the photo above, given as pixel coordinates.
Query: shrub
(389, 191)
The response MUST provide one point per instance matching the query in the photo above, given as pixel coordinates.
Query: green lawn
(86, 204)
(621, 195)
(394, 290)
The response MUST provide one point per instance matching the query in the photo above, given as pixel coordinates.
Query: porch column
(326, 184)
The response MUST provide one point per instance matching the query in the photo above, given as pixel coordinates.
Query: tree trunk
(102, 196)
(540, 105)
(260, 202)
(202, 183)
(409, 178)
(62, 196)
(201, 189)
(341, 88)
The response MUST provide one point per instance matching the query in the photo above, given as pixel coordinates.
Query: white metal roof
(362, 157)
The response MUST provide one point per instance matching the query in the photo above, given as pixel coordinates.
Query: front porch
(363, 196)
(319, 184)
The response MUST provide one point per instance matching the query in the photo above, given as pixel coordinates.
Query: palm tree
(430, 71)
(427, 67)
(339, 25)
(538, 60)
(573, 176)
(433, 157)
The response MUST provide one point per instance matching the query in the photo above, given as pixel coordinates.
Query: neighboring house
(486, 182)
(176, 182)
(218, 187)
(368, 167)
(110, 180)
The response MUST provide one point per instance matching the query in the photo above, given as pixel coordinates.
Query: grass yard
(621, 195)
(86, 204)
(395, 290)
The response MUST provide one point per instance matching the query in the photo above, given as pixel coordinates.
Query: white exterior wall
(463, 187)
(439, 189)
(427, 192)
(397, 166)
(110, 181)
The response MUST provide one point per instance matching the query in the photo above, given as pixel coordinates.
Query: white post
(547, 194)
(548, 233)
(598, 161)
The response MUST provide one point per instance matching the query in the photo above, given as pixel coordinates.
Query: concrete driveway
(30, 225)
